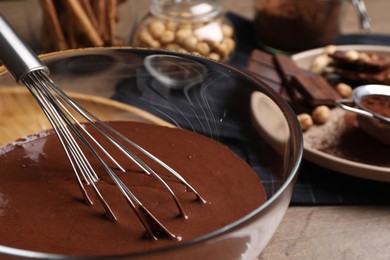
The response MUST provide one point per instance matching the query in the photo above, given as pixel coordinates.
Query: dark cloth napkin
(317, 185)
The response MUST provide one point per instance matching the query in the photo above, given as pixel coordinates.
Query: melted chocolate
(41, 205)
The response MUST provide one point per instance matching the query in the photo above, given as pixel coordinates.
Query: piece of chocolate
(262, 56)
(266, 72)
(262, 66)
(287, 69)
(316, 90)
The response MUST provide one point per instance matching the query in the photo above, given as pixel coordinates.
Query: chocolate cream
(41, 206)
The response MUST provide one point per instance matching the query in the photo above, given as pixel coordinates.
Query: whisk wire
(93, 119)
(52, 100)
(73, 152)
(140, 163)
(61, 123)
(27, 69)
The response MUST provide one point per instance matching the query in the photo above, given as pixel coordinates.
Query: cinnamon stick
(99, 7)
(53, 21)
(111, 21)
(45, 40)
(72, 36)
(86, 4)
(85, 25)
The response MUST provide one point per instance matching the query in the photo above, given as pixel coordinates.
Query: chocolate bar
(261, 65)
(315, 89)
(261, 56)
(287, 69)
(305, 85)
(301, 88)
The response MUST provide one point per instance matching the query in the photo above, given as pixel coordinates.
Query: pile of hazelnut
(214, 39)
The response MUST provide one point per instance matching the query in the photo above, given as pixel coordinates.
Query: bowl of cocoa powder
(371, 103)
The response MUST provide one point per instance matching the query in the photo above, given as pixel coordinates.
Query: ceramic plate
(318, 136)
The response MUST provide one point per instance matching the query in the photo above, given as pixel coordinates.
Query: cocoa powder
(355, 145)
(377, 104)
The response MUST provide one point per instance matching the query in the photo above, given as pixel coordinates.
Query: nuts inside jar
(214, 40)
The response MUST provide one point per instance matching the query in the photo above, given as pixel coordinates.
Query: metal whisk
(60, 110)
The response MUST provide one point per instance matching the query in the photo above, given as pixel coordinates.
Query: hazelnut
(230, 44)
(352, 55)
(182, 34)
(344, 90)
(203, 48)
(172, 47)
(305, 121)
(320, 63)
(227, 30)
(167, 37)
(320, 114)
(148, 40)
(154, 44)
(190, 43)
(222, 50)
(365, 57)
(171, 25)
(156, 28)
(214, 56)
(211, 43)
(145, 36)
(330, 49)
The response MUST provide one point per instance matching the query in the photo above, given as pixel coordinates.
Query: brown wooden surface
(318, 232)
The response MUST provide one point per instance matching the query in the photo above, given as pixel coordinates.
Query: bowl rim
(296, 137)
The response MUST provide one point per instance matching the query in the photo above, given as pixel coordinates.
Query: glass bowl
(206, 97)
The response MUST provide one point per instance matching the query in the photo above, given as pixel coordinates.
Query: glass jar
(193, 26)
(297, 25)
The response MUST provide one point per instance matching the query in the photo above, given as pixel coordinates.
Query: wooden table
(331, 232)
